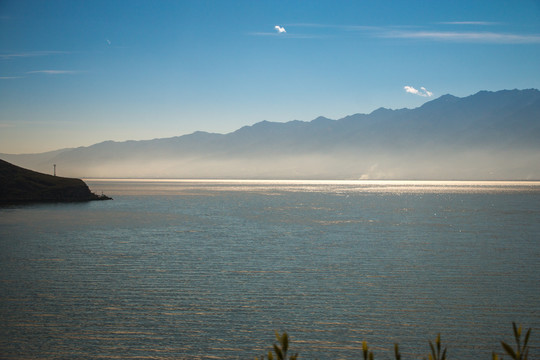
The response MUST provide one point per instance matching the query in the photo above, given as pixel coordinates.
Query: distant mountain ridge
(488, 135)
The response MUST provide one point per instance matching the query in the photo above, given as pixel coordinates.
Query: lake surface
(209, 269)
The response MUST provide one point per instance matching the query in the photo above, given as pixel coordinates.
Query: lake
(209, 269)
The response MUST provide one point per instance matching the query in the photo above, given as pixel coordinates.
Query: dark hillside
(19, 185)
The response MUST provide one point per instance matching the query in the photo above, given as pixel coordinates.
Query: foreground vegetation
(520, 352)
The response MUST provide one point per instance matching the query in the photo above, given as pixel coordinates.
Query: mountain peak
(320, 120)
(442, 101)
(381, 110)
(448, 97)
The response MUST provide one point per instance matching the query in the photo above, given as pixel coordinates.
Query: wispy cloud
(422, 92)
(280, 29)
(54, 72)
(422, 33)
(482, 23)
(485, 37)
(333, 26)
(290, 35)
(15, 55)
(9, 77)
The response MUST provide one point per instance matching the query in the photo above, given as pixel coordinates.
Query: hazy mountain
(489, 135)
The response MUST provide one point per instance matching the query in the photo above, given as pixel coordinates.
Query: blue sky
(74, 73)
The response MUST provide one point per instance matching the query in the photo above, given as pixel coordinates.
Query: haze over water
(197, 269)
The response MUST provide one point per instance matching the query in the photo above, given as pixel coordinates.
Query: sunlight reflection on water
(164, 186)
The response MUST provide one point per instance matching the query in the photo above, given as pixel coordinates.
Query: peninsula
(19, 185)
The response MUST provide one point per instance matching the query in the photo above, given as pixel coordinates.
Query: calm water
(209, 269)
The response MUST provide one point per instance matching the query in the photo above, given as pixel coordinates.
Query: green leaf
(285, 342)
(365, 350)
(508, 350)
(278, 352)
(396, 352)
(517, 332)
(432, 349)
(526, 338)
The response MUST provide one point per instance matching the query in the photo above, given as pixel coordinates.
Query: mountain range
(485, 136)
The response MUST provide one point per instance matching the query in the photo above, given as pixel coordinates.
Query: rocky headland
(19, 185)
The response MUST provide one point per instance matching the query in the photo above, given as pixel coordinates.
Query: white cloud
(280, 29)
(14, 55)
(485, 37)
(53, 72)
(483, 23)
(408, 32)
(290, 36)
(427, 92)
(422, 92)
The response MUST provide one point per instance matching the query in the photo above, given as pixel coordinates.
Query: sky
(75, 73)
